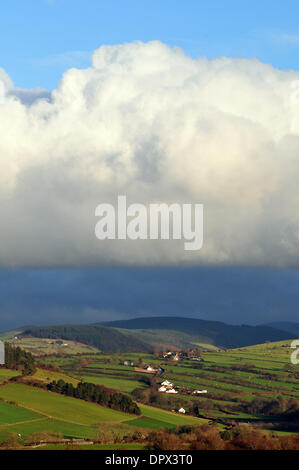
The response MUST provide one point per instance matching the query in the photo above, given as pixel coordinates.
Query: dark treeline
(105, 339)
(97, 394)
(287, 408)
(18, 359)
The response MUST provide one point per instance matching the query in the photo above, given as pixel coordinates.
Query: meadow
(6, 374)
(38, 410)
(233, 378)
(243, 374)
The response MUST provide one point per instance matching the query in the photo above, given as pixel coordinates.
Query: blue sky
(42, 38)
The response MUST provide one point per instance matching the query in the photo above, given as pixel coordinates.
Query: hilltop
(199, 332)
(144, 335)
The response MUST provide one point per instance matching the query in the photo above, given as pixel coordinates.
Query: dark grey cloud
(235, 295)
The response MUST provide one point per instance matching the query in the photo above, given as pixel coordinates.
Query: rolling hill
(201, 331)
(103, 338)
(146, 334)
(290, 327)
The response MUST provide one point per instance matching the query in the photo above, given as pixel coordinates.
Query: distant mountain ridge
(290, 327)
(147, 334)
(217, 333)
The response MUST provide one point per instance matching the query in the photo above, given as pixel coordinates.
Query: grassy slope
(103, 338)
(48, 376)
(226, 384)
(42, 346)
(121, 385)
(59, 406)
(75, 418)
(269, 358)
(167, 416)
(6, 374)
(10, 414)
(68, 430)
(40, 410)
(171, 339)
(211, 332)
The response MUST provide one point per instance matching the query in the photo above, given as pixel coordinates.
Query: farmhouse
(129, 363)
(168, 354)
(182, 410)
(166, 383)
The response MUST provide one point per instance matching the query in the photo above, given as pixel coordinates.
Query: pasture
(261, 371)
(60, 407)
(6, 374)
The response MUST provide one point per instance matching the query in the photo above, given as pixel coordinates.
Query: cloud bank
(151, 123)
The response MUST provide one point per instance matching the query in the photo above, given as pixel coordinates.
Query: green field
(40, 410)
(153, 418)
(42, 346)
(233, 378)
(167, 416)
(68, 430)
(61, 407)
(10, 414)
(48, 376)
(6, 374)
(122, 385)
(229, 375)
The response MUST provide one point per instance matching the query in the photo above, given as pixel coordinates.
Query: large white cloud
(149, 122)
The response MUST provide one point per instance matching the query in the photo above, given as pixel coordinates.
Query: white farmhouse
(182, 410)
(162, 389)
(166, 383)
(172, 390)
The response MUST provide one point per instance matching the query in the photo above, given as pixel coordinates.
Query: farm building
(129, 363)
(166, 383)
(182, 410)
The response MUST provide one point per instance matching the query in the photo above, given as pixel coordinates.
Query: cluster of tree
(287, 408)
(18, 359)
(103, 338)
(97, 394)
(209, 437)
(53, 367)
